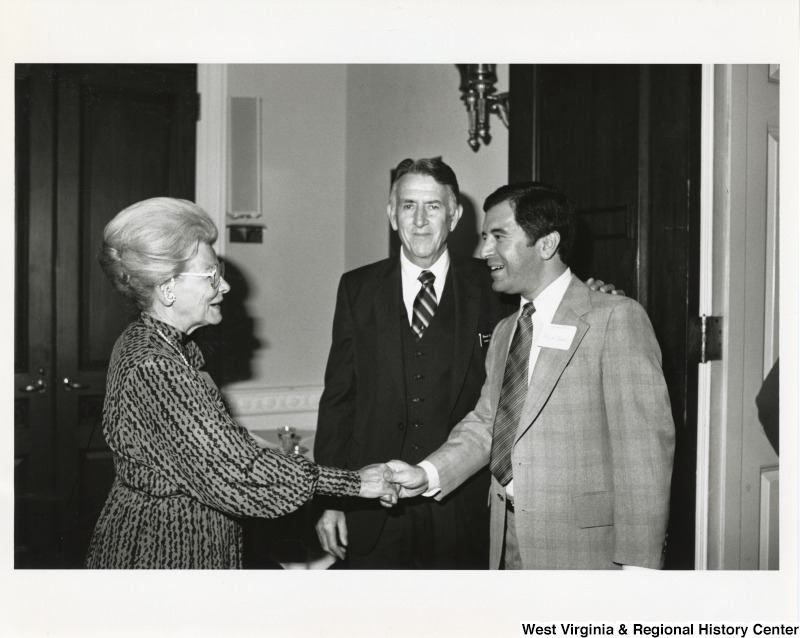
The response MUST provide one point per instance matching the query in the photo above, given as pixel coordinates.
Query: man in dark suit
(401, 373)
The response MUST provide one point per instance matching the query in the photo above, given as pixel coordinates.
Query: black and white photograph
(326, 328)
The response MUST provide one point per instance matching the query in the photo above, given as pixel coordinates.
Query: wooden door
(623, 142)
(758, 489)
(34, 377)
(123, 133)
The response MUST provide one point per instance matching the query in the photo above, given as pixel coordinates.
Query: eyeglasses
(215, 274)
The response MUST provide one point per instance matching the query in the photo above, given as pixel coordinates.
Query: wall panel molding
(246, 402)
(772, 284)
(769, 519)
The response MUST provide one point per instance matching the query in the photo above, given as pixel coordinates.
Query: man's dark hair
(431, 166)
(539, 209)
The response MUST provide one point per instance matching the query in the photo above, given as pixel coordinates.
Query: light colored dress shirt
(410, 272)
(546, 304)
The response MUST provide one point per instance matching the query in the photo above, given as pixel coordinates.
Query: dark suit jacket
(363, 407)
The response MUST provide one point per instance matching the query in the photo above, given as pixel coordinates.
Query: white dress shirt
(410, 273)
(546, 304)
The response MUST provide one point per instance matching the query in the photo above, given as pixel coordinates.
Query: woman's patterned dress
(184, 468)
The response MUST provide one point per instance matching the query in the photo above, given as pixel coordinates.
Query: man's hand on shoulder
(599, 286)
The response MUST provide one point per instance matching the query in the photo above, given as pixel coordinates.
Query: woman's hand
(376, 482)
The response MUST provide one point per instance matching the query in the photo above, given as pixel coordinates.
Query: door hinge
(705, 339)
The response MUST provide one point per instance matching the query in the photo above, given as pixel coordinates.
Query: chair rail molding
(246, 402)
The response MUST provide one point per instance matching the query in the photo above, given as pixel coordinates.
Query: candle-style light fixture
(481, 100)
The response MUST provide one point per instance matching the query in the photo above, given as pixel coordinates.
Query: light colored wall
(291, 274)
(397, 111)
(331, 134)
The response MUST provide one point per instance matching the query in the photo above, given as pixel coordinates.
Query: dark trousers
(413, 538)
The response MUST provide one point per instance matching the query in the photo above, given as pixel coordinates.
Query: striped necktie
(512, 396)
(424, 304)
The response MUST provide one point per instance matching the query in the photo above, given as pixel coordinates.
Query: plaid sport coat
(592, 458)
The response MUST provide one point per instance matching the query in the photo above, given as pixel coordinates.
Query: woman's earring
(167, 290)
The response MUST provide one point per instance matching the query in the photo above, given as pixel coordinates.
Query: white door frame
(705, 308)
(212, 146)
(739, 133)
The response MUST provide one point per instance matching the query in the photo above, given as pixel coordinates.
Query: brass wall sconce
(481, 100)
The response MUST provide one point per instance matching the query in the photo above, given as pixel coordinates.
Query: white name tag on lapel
(557, 336)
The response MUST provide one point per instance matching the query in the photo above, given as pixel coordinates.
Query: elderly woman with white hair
(184, 469)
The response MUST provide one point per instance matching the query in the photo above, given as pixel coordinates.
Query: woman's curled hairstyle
(149, 242)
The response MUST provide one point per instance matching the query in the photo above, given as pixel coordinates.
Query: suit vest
(427, 366)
